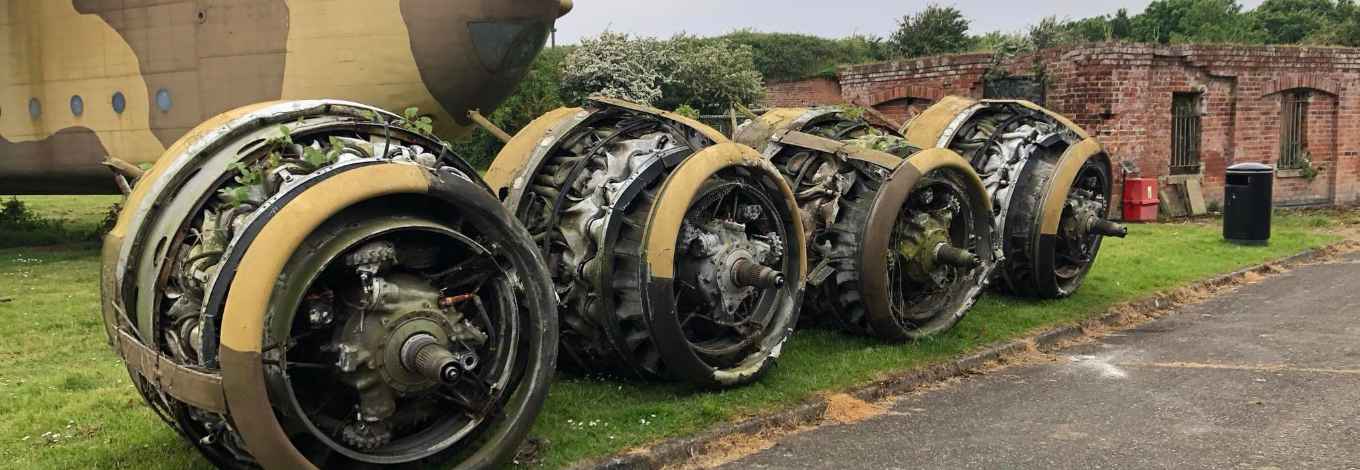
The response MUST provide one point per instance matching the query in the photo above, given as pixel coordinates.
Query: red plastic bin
(1140, 200)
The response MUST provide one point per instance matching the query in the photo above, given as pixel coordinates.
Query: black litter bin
(1247, 204)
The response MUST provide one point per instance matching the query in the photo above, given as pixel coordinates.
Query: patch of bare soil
(1028, 356)
(731, 448)
(840, 409)
(1336, 251)
(845, 409)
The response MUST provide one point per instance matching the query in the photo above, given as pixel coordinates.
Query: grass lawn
(65, 400)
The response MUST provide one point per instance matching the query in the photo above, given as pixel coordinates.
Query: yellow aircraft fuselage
(82, 80)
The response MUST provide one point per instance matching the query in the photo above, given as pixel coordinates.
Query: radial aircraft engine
(308, 283)
(1049, 181)
(324, 284)
(901, 246)
(676, 252)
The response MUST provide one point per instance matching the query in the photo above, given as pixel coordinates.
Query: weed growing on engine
(251, 176)
(413, 121)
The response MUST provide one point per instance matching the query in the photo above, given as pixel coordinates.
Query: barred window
(1294, 128)
(1185, 133)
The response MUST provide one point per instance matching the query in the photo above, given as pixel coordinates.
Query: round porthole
(77, 105)
(119, 102)
(163, 100)
(34, 108)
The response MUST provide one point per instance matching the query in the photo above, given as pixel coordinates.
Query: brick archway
(902, 110)
(904, 92)
(1294, 82)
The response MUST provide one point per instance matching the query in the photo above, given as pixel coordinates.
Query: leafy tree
(1296, 21)
(1121, 26)
(935, 30)
(1051, 31)
(1332, 22)
(1344, 30)
(1167, 21)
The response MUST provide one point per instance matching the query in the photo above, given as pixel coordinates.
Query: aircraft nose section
(506, 45)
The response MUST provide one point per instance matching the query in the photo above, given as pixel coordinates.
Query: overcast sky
(829, 18)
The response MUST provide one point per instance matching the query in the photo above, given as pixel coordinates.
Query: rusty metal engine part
(676, 253)
(901, 248)
(320, 284)
(1049, 180)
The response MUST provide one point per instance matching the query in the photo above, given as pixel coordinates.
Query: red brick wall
(803, 93)
(1123, 93)
(922, 80)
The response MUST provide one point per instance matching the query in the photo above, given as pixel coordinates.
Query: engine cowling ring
(890, 201)
(661, 238)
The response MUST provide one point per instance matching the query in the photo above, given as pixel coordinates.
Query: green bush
(620, 66)
(709, 74)
(21, 226)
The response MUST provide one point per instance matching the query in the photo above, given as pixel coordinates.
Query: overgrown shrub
(20, 226)
(708, 74)
(711, 75)
(934, 30)
(620, 66)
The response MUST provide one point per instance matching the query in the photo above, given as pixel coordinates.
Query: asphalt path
(1263, 377)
